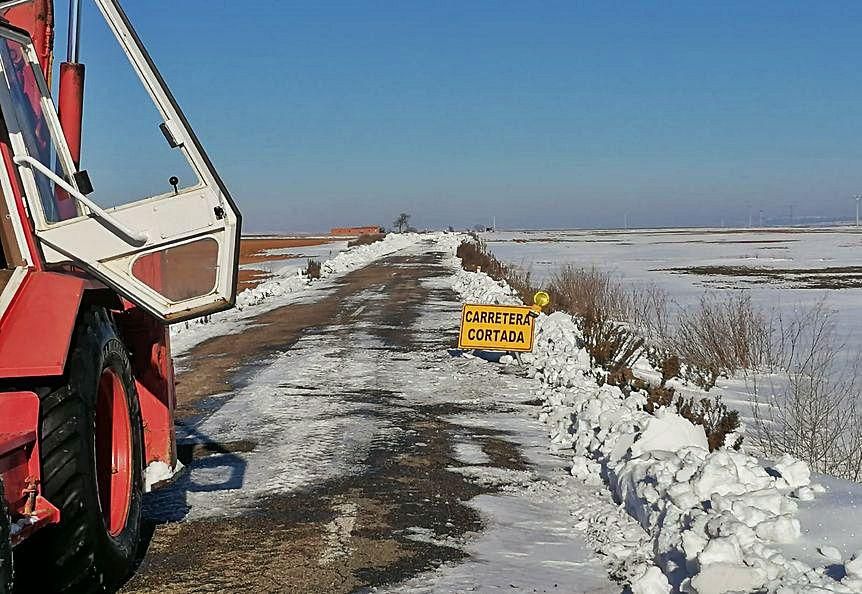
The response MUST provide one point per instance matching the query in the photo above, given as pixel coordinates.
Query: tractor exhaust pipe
(73, 45)
(71, 92)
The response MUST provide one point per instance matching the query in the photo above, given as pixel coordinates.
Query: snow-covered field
(686, 519)
(723, 521)
(645, 257)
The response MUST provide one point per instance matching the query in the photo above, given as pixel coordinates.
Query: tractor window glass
(26, 97)
(181, 272)
(124, 150)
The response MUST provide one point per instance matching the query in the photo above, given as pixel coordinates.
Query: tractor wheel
(92, 468)
(5, 546)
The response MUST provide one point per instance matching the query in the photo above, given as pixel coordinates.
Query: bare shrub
(366, 239)
(721, 335)
(816, 414)
(611, 346)
(717, 420)
(590, 293)
(650, 311)
(670, 368)
(521, 281)
(475, 256)
(312, 269)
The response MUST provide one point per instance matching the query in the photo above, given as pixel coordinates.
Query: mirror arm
(135, 238)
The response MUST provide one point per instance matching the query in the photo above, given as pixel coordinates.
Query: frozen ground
(398, 451)
(645, 257)
(719, 521)
(661, 258)
(383, 448)
(287, 286)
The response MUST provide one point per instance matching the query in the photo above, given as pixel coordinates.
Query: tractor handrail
(136, 237)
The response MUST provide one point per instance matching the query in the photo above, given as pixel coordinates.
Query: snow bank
(291, 284)
(715, 519)
(346, 261)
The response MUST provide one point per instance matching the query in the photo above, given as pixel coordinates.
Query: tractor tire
(92, 468)
(6, 571)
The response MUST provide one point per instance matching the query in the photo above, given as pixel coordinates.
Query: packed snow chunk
(854, 566)
(829, 552)
(652, 581)
(720, 550)
(669, 432)
(719, 578)
(158, 472)
(782, 529)
(795, 472)
(586, 470)
(729, 473)
(768, 500)
(804, 494)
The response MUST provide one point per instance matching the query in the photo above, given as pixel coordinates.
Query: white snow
(289, 285)
(718, 520)
(158, 472)
(643, 490)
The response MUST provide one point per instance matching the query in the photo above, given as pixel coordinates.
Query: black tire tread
(70, 545)
(6, 569)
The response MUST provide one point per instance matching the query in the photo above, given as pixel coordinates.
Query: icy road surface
(340, 445)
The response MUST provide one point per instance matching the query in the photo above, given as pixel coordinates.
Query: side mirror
(82, 180)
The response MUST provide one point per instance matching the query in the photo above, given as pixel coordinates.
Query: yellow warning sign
(497, 327)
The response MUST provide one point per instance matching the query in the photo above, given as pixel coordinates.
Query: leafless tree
(402, 222)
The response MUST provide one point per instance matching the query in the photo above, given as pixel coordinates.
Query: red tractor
(86, 294)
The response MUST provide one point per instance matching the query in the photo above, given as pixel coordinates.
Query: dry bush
(817, 414)
(312, 269)
(590, 293)
(366, 239)
(670, 368)
(720, 336)
(521, 281)
(475, 257)
(649, 310)
(611, 346)
(717, 420)
(600, 305)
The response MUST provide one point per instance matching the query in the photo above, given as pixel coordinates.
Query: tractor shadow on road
(218, 467)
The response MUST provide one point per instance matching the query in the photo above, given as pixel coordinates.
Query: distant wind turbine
(857, 198)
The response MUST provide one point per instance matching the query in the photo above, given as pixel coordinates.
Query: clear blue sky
(544, 114)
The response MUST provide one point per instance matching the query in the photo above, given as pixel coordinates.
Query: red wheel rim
(113, 452)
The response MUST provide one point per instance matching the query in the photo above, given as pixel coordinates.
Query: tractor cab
(88, 282)
(173, 254)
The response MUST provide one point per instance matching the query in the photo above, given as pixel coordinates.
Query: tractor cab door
(173, 254)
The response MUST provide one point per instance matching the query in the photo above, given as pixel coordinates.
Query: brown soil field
(252, 252)
(830, 277)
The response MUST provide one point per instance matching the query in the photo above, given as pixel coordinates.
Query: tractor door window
(27, 100)
(125, 152)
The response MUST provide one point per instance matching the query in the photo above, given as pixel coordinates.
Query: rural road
(342, 445)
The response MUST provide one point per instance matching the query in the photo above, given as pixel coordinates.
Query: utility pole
(760, 219)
